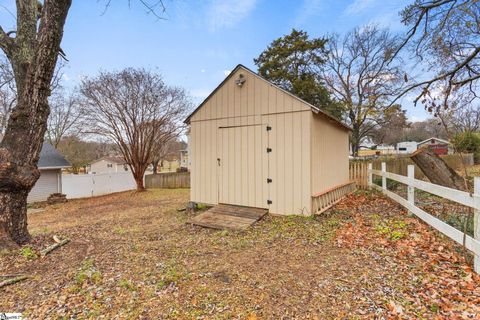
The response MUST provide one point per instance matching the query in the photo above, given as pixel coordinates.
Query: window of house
(402, 149)
(109, 165)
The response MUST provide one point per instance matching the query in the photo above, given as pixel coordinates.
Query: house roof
(50, 158)
(438, 139)
(240, 66)
(113, 159)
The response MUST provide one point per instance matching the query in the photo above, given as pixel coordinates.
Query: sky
(199, 42)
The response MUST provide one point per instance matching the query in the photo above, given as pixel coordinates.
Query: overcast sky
(200, 41)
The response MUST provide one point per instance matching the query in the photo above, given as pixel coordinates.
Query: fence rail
(461, 197)
(168, 180)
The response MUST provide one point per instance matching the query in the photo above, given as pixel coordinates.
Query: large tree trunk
(436, 170)
(33, 54)
(13, 206)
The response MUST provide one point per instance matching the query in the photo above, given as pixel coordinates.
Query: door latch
(269, 150)
(218, 161)
(269, 180)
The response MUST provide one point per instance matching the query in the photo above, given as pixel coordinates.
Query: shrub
(468, 142)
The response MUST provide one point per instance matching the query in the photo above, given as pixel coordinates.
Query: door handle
(218, 161)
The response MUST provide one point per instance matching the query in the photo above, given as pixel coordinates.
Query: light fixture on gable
(240, 80)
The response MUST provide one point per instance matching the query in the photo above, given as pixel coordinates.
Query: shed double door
(243, 165)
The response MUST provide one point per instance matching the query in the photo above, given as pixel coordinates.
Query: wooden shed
(254, 144)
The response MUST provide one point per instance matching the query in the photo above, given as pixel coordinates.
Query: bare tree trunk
(155, 165)
(33, 54)
(436, 170)
(139, 182)
(13, 206)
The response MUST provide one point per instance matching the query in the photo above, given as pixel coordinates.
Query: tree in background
(362, 77)
(134, 108)
(422, 130)
(80, 153)
(390, 132)
(65, 117)
(446, 35)
(293, 62)
(164, 149)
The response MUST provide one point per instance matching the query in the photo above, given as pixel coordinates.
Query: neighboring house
(50, 163)
(254, 144)
(439, 146)
(406, 147)
(108, 165)
(378, 151)
(184, 161)
(169, 164)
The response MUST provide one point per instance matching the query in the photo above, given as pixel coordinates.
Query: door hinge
(269, 150)
(269, 202)
(269, 128)
(269, 180)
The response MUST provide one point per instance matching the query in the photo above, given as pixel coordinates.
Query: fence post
(411, 188)
(384, 178)
(370, 174)
(476, 221)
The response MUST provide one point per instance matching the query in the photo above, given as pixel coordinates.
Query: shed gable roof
(240, 66)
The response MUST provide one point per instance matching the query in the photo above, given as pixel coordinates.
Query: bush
(468, 142)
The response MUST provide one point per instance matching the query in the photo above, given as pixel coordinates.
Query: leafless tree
(135, 109)
(446, 35)
(65, 116)
(165, 148)
(362, 78)
(32, 50)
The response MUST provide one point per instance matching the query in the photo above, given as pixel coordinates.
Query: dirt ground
(132, 256)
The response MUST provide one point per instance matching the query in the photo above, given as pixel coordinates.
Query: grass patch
(28, 253)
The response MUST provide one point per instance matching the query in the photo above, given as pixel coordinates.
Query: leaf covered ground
(132, 256)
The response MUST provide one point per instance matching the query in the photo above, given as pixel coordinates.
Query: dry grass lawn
(132, 256)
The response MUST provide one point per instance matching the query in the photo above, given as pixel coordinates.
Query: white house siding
(104, 166)
(48, 183)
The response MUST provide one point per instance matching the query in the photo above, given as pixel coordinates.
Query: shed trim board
(257, 145)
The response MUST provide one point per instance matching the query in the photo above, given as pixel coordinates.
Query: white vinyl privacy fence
(90, 185)
(461, 197)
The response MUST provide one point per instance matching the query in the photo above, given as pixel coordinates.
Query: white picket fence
(90, 185)
(461, 197)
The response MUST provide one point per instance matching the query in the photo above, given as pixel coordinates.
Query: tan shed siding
(48, 183)
(329, 154)
(256, 103)
(230, 101)
(289, 162)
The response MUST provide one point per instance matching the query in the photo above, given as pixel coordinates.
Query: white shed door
(243, 166)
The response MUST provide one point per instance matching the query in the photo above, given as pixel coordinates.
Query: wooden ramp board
(225, 216)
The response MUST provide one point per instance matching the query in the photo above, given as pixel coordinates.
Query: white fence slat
(454, 234)
(476, 221)
(384, 179)
(410, 187)
(90, 185)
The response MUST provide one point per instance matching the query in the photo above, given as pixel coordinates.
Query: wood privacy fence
(359, 173)
(169, 180)
(461, 197)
